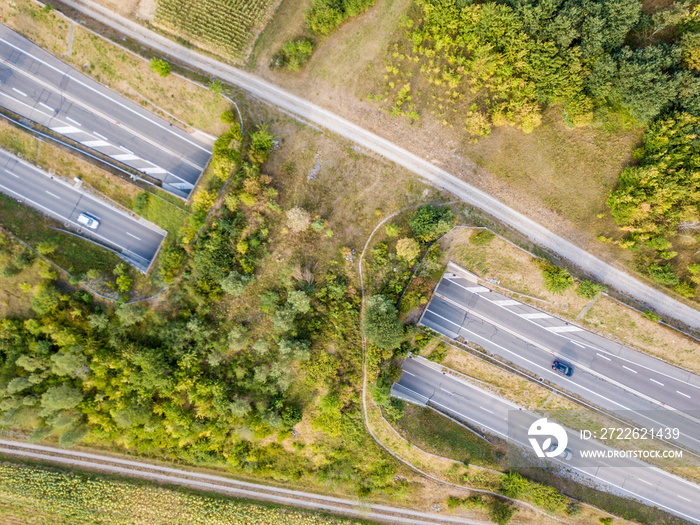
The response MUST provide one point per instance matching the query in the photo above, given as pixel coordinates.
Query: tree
(298, 220)
(381, 325)
(235, 283)
(408, 250)
(160, 66)
(130, 314)
(60, 397)
(260, 145)
(431, 222)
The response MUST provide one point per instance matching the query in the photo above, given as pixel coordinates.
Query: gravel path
(598, 269)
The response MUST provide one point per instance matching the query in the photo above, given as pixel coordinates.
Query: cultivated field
(224, 27)
(43, 496)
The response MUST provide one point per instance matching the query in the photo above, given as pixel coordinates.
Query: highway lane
(606, 373)
(40, 87)
(425, 383)
(135, 238)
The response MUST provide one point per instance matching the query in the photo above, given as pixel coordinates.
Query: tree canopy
(381, 324)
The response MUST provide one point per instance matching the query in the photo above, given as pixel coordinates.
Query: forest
(603, 63)
(222, 361)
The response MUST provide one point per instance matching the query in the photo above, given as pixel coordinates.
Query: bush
(589, 289)
(160, 66)
(481, 237)
(294, 54)
(500, 512)
(392, 230)
(141, 202)
(298, 220)
(556, 279)
(46, 247)
(663, 274)
(431, 222)
(381, 325)
(325, 15)
(408, 250)
(260, 145)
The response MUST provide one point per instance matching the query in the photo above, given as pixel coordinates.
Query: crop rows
(83, 499)
(221, 26)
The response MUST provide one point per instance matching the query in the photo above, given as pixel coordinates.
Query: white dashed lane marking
(538, 315)
(20, 92)
(681, 393)
(655, 381)
(52, 194)
(65, 130)
(134, 236)
(604, 357)
(47, 107)
(630, 369)
(564, 328)
(74, 121)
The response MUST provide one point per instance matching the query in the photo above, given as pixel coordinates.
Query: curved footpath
(431, 174)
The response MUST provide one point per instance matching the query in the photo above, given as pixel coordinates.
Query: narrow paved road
(426, 383)
(136, 239)
(229, 486)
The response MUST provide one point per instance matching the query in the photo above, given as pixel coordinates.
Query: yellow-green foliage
(482, 53)
(58, 497)
(221, 26)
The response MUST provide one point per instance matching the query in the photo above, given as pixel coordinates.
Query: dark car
(565, 369)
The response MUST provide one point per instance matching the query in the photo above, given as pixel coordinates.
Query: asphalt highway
(638, 387)
(135, 238)
(425, 383)
(41, 88)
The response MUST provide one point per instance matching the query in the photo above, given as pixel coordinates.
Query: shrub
(408, 250)
(392, 230)
(141, 202)
(589, 289)
(431, 222)
(294, 54)
(685, 288)
(235, 283)
(160, 66)
(663, 274)
(46, 247)
(298, 220)
(481, 237)
(500, 512)
(556, 279)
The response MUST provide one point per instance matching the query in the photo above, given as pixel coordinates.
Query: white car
(88, 220)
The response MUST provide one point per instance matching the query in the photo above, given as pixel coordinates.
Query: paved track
(229, 486)
(40, 87)
(135, 238)
(606, 374)
(424, 382)
(433, 175)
